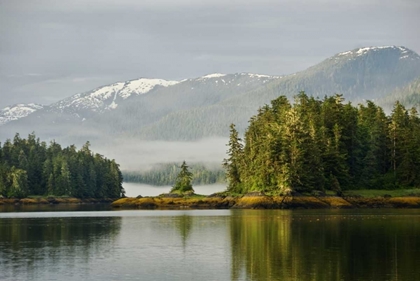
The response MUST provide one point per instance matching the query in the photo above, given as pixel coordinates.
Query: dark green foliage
(30, 167)
(232, 164)
(183, 180)
(325, 144)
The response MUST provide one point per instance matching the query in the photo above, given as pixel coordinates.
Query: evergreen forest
(314, 145)
(31, 167)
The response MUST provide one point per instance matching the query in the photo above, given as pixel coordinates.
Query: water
(210, 245)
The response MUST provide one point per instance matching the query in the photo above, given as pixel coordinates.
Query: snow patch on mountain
(405, 53)
(143, 86)
(107, 97)
(17, 111)
(213, 75)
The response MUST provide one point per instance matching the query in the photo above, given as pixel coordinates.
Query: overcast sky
(52, 49)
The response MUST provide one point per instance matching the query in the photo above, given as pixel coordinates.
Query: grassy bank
(401, 198)
(34, 200)
(372, 193)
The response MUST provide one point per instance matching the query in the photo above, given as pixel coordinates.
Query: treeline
(31, 167)
(317, 145)
(166, 174)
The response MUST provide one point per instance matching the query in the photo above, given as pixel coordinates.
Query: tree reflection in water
(290, 245)
(30, 243)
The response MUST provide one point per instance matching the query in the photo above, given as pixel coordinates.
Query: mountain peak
(402, 51)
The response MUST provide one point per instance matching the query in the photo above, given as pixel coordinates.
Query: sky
(50, 49)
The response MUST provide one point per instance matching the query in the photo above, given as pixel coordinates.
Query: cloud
(121, 40)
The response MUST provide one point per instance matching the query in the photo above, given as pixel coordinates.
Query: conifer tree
(183, 180)
(232, 164)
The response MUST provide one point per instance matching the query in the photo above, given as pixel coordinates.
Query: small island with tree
(183, 183)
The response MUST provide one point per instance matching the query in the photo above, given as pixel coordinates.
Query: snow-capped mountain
(195, 108)
(359, 74)
(108, 97)
(17, 111)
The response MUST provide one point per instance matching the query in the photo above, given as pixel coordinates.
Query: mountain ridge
(200, 107)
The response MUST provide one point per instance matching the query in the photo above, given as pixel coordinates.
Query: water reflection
(287, 245)
(256, 245)
(29, 246)
(184, 225)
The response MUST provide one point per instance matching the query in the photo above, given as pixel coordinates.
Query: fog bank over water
(140, 155)
(135, 189)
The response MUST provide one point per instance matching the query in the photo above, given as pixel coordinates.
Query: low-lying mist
(140, 155)
(135, 189)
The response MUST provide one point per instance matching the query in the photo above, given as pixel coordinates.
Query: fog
(138, 155)
(135, 189)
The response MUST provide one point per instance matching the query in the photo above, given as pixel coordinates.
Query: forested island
(316, 145)
(31, 167)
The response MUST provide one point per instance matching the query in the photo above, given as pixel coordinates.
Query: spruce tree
(183, 180)
(232, 164)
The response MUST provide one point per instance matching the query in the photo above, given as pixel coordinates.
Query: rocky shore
(52, 200)
(249, 201)
(254, 201)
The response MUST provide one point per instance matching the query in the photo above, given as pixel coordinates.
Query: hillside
(409, 96)
(360, 74)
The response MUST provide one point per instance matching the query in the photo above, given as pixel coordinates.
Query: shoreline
(53, 201)
(229, 202)
(266, 202)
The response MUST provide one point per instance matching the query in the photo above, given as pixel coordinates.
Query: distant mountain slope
(141, 116)
(17, 111)
(55, 120)
(195, 108)
(409, 96)
(360, 74)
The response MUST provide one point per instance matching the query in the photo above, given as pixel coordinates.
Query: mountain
(53, 121)
(359, 74)
(193, 99)
(17, 111)
(153, 109)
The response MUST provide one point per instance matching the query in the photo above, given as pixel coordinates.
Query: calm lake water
(210, 245)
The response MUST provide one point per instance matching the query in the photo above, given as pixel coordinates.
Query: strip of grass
(371, 193)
